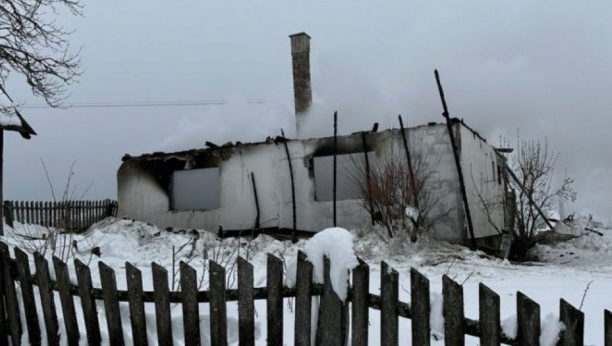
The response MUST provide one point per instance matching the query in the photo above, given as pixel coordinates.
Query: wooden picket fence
(333, 322)
(69, 215)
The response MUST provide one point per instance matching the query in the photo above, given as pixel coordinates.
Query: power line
(146, 104)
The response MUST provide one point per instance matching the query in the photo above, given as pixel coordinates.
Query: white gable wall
(479, 163)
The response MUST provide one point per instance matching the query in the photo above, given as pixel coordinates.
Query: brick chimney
(302, 94)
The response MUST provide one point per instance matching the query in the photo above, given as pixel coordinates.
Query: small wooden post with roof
(13, 122)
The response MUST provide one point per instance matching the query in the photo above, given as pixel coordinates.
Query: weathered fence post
(43, 214)
(27, 213)
(9, 213)
(19, 211)
(329, 329)
(303, 301)
(46, 299)
(111, 304)
(191, 310)
(80, 208)
(35, 212)
(389, 296)
(420, 306)
(275, 300)
(573, 319)
(67, 219)
(109, 208)
(27, 296)
(452, 293)
(161, 294)
(489, 316)
(39, 211)
(64, 288)
(360, 309)
(528, 315)
(10, 296)
(246, 303)
(91, 219)
(95, 211)
(4, 328)
(48, 214)
(218, 308)
(75, 218)
(608, 327)
(137, 309)
(53, 214)
(88, 303)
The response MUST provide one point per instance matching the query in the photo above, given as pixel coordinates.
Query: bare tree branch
(534, 165)
(35, 46)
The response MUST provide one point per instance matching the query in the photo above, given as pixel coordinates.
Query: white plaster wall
(141, 198)
(315, 215)
(237, 200)
(311, 214)
(436, 145)
(477, 157)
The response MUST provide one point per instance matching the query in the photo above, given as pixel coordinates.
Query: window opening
(196, 189)
(350, 175)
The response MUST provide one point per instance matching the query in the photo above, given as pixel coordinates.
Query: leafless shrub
(584, 294)
(187, 260)
(388, 190)
(58, 241)
(534, 165)
(224, 252)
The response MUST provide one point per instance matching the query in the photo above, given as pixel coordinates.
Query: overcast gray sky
(541, 66)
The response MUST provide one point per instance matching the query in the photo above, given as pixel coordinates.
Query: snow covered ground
(565, 271)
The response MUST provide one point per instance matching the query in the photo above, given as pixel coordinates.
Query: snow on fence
(333, 319)
(69, 215)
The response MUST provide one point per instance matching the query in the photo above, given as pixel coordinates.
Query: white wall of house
(480, 166)
(141, 196)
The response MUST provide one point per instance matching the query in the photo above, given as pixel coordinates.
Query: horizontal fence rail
(333, 314)
(68, 215)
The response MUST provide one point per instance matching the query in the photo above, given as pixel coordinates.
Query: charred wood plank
(137, 307)
(303, 301)
(246, 303)
(46, 299)
(27, 295)
(451, 135)
(218, 308)
(293, 203)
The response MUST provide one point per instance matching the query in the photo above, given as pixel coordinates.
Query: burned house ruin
(287, 183)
